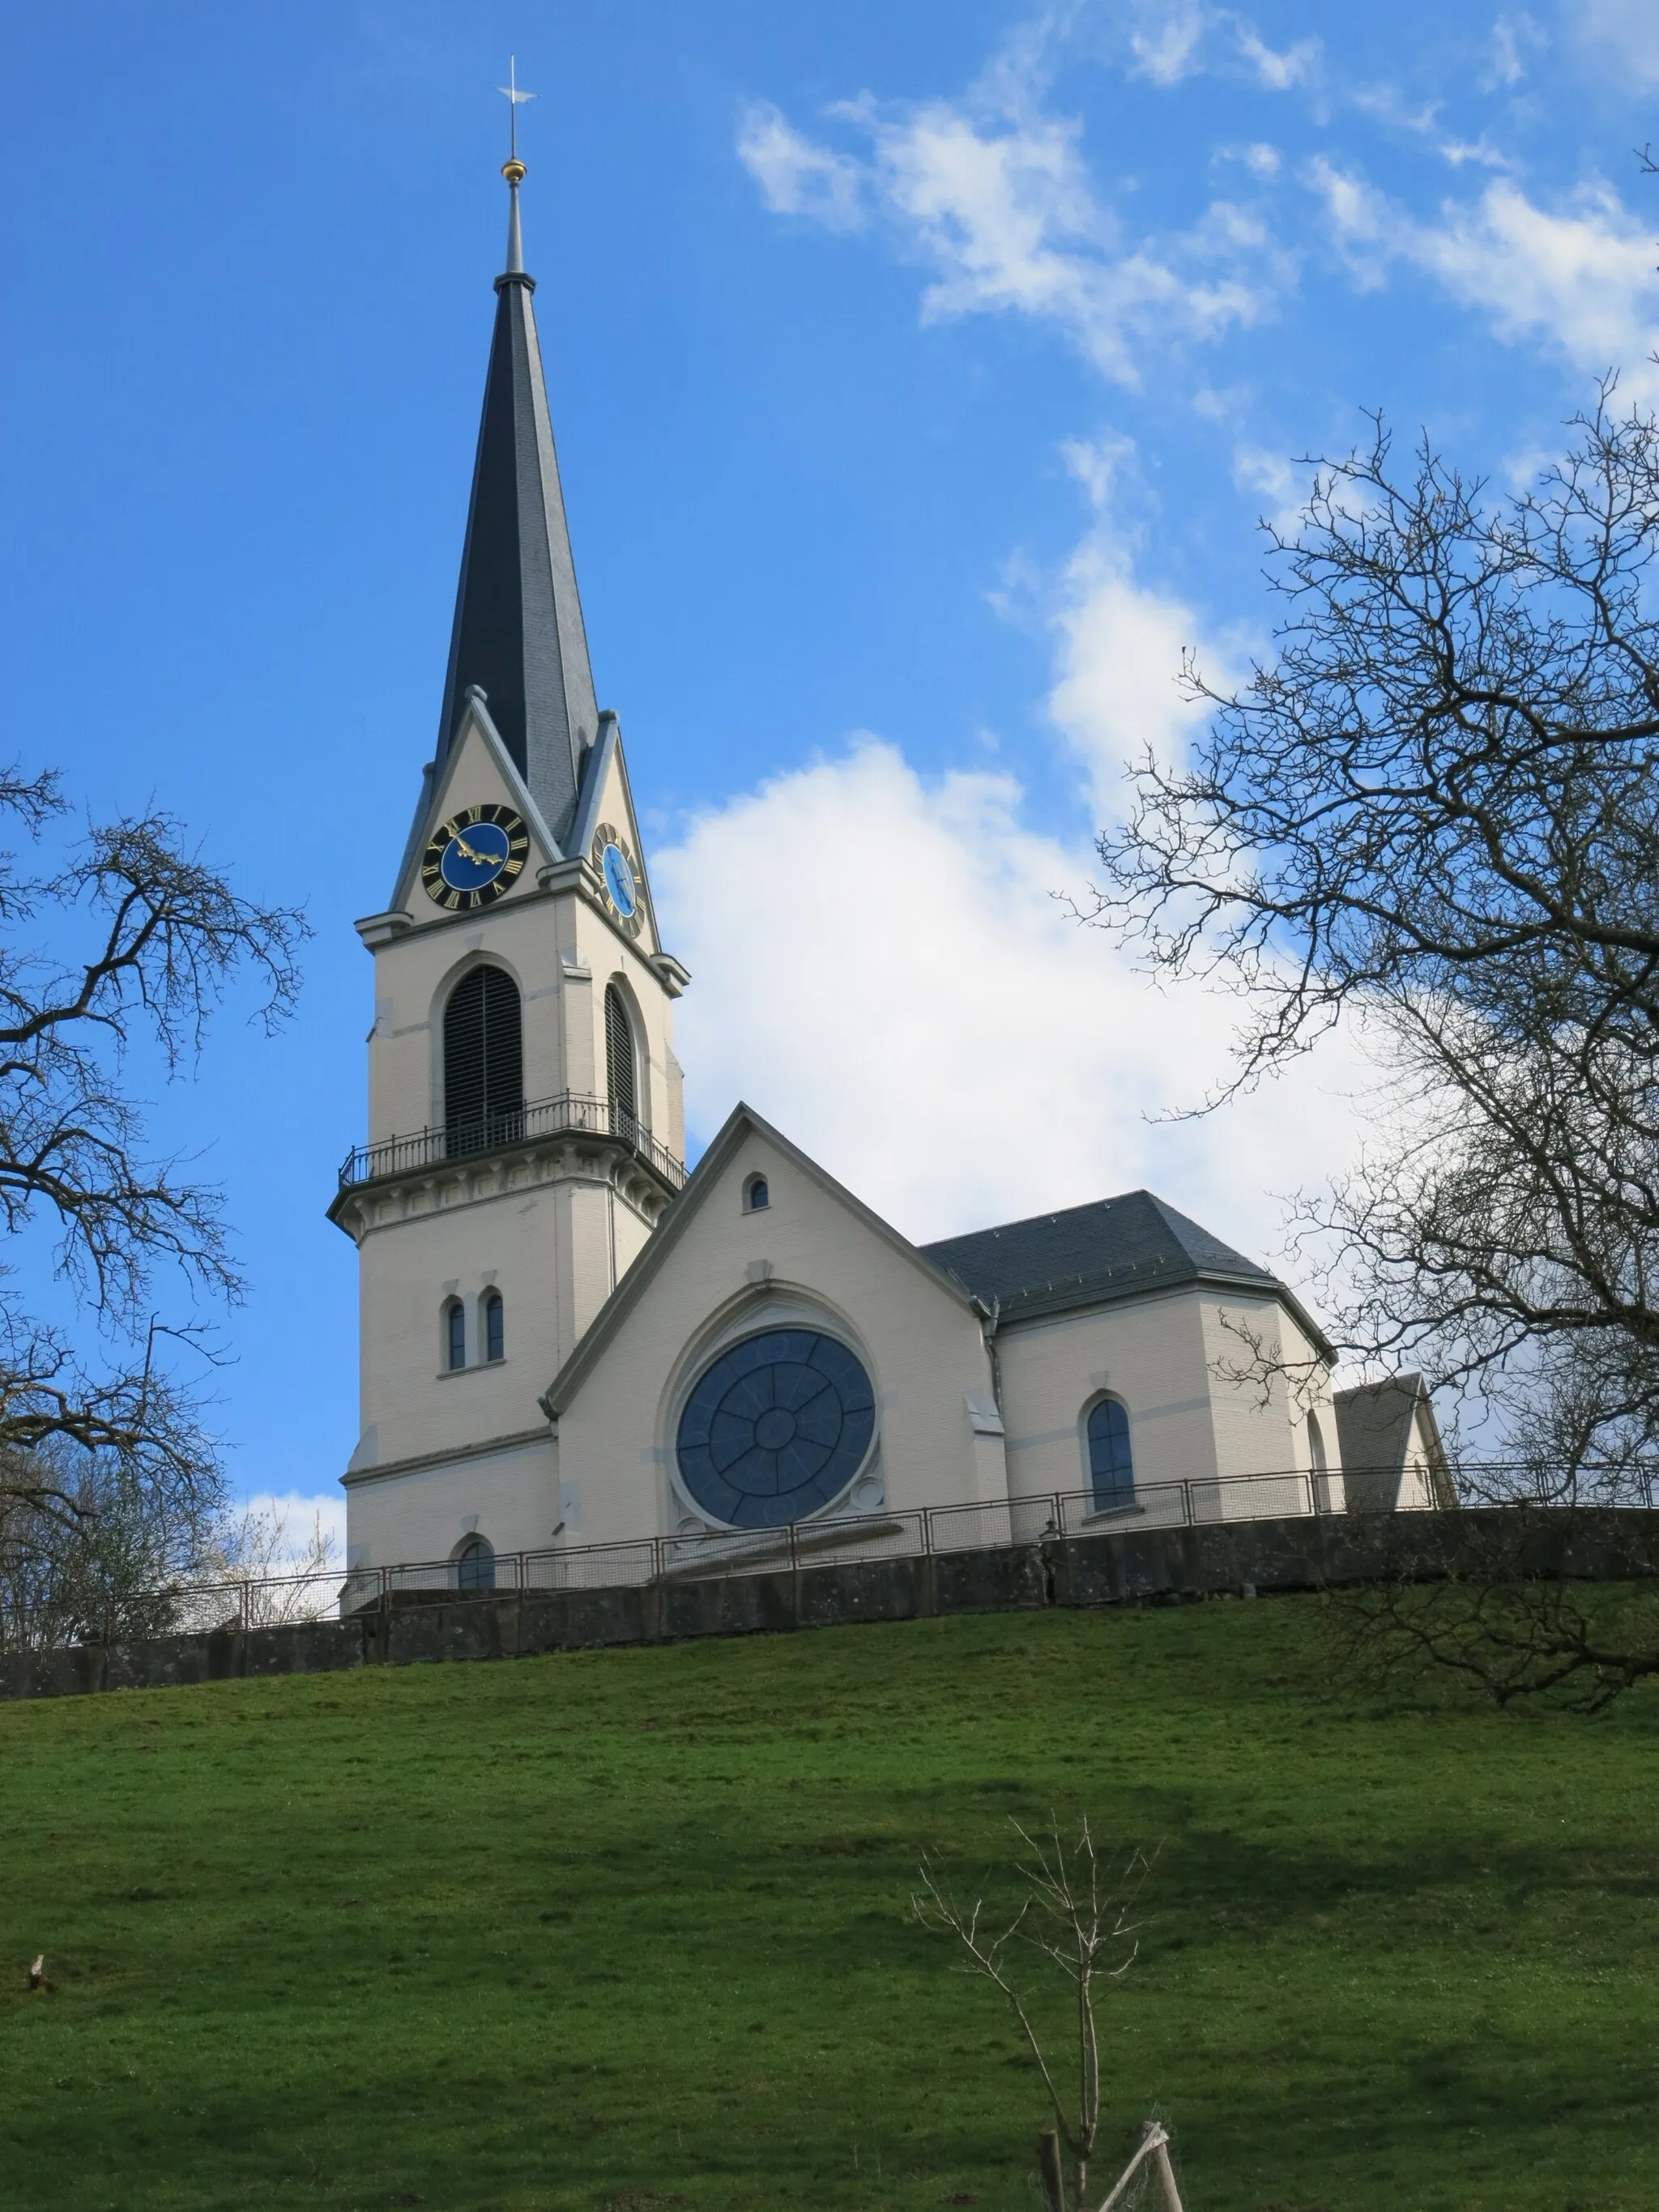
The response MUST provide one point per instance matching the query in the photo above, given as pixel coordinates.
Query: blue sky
(919, 371)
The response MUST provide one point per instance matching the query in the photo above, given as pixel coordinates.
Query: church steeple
(518, 633)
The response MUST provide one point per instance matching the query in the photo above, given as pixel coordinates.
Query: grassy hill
(629, 1929)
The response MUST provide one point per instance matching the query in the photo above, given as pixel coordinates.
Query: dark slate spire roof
(1116, 1248)
(519, 632)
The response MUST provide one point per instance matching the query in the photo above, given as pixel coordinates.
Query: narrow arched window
(494, 1327)
(455, 1333)
(756, 1195)
(1321, 1479)
(1111, 1464)
(475, 1565)
(484, 1062)
(621, 1088)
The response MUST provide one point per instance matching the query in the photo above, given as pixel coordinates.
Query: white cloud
(795, 176)
(921, 1013)
(1580, 277)
(1623, 32)
(1277, 71)
(996, 198)
(1512, 38)
(1169, 53)
(1119, 646)
(1480, 151)
(1276, 479)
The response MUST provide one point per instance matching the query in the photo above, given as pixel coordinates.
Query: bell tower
(525, 1130)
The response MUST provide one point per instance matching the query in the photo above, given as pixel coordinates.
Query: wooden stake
(1048, 2166)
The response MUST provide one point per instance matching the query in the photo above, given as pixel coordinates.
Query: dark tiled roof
(1115, 1247)
(518, 633)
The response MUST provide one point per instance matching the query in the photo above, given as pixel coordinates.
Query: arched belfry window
(454, 1335)
(1111, 1464)
(494, 1326)
(621, 1087)
(484, 1062)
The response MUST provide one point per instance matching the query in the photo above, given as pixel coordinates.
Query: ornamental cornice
(448, 1187)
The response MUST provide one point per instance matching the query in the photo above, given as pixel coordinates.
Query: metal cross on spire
(515, 100)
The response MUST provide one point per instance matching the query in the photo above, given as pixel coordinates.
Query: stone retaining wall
(1243, 1557)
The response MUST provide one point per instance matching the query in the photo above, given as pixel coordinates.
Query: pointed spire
(518, 633)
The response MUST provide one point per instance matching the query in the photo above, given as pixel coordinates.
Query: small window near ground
(455, 1333)
(756, 1195)
(495, 1328)
(1111, 1464)
(475, 1565)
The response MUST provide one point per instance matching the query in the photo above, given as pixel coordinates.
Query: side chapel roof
(1091, 1256)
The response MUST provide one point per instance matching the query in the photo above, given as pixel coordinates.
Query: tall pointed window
(1111, 1466)
(619, 1064)
(484, 1062)
(494, 1326)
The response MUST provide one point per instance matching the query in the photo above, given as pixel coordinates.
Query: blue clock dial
(474, 857)
(619, 880)
(618, 871)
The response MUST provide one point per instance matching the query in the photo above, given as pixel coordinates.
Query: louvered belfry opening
(619, 1065)
(484, 1062)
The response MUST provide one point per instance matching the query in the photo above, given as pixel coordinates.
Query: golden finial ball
(514, 172)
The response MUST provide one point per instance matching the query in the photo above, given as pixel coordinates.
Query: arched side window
(756, 1195)
(1316, 1445)
(494, 1326)
(1321, 1478)
(484, 1062)
(475, 1565)
(621, 1085)
(454, 1335)
(1111, 1463)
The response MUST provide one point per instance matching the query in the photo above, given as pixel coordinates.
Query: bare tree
(284, 1574)
(1434, 813)
(161, 937)
(1082, 1923)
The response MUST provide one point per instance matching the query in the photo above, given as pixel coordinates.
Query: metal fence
(834, 1540)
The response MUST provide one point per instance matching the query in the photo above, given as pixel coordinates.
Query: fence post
(385, 1590)
(1187, 1502)
(794, 1552)
(658, 1562)
(245, 1608)
(926, 1532)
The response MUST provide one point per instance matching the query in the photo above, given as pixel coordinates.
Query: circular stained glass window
(774, 1428)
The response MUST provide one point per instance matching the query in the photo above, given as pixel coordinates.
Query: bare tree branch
(1082, 1926)
(164, 939)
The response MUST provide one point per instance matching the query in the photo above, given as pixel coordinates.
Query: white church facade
(565, 1341)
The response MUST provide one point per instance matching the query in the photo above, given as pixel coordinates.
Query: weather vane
(515, 100)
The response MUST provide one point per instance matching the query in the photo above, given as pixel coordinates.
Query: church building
(566, 1340)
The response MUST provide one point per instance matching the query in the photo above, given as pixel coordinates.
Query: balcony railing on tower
(570, 1113)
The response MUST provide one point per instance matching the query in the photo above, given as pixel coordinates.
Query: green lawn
(629, 1929)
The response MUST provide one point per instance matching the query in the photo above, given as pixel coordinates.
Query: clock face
(618, 873)
(619, 880)
(475, 857)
